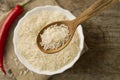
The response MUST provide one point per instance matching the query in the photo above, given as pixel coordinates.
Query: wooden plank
(102, 35)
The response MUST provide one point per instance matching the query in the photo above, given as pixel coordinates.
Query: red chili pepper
(10, 18)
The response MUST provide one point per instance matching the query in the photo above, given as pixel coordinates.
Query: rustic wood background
(102, 35)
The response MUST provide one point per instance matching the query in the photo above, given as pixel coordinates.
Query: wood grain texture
(102, 35)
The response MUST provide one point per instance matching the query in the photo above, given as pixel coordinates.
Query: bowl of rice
(27, 51)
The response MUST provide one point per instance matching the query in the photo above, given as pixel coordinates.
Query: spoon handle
(92, 10)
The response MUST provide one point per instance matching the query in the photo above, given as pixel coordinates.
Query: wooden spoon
(73, 24)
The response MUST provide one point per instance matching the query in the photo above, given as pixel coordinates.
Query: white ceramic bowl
(69, 15)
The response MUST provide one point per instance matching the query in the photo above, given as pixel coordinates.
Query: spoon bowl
(67, 23)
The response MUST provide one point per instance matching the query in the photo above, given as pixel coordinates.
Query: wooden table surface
(102, 35)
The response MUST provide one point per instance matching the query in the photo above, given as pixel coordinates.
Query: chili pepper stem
(26, 3)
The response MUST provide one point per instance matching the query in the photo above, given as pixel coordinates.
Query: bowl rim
(25, 63)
